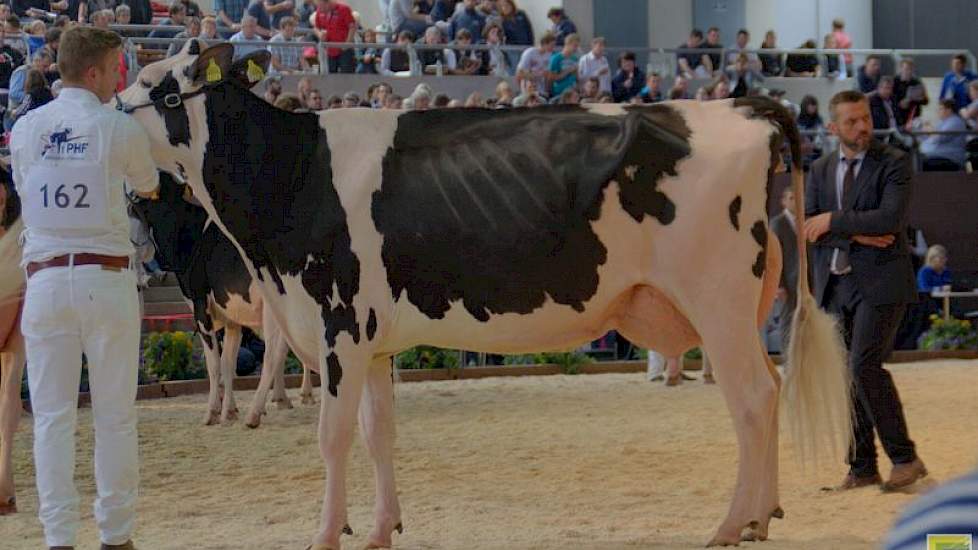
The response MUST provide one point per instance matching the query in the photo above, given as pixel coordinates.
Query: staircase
(164, 307)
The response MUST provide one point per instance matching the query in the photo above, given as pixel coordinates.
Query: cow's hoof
(726, 537)
(319, 547)
(8, 506)
(308, 399)
(708, 379)
(253, 421)
(284, 404)
(399, 528)
(229, 417)
(212, 418)
(755, 532)
(778, 513)
(347, 530)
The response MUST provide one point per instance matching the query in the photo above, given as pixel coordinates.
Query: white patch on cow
(630, 171)
(606, 109)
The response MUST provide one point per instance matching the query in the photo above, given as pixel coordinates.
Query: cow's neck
(268, 175)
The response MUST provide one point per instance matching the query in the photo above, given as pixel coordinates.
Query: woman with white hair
(934, 274)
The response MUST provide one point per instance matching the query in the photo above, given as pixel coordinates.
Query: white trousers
(657, 364)
(69, 311)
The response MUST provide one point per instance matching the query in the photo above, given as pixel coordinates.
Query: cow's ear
(212, 66)
(252, 68)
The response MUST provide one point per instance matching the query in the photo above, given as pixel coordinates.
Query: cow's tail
(816, 394)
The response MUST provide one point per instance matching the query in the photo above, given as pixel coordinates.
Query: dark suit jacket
(877, 204)
(785, 232)
(881, 118)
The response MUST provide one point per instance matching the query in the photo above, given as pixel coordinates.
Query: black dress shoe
(852, 481)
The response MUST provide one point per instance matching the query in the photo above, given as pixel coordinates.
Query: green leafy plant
(171, 356)
(292, 364)
(952, 334)
(427, 357)
(570, 362)
(695, 354)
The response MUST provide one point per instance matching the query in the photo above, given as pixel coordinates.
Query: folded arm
(890, 217)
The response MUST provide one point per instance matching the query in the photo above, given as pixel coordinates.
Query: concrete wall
(727, 15)
(669, 22)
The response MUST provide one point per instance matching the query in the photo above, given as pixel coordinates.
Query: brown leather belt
(114, 263)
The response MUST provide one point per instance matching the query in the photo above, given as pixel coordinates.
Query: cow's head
(168, 97)
(172, 222)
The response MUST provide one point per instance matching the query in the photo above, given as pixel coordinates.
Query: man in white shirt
(249, 33)
(535, 63)
(69, 160)
(286, 59)
(595, 64)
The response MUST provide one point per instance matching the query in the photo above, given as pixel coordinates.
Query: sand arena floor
(592, 462)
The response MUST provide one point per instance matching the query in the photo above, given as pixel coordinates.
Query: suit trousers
(869, 331)
(69, 311)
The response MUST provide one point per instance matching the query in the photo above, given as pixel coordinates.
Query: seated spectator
(535, 62)
(529, 98)
(474, 100)
(590, 90)
(103, 18)
(467, 62)
(334, 102)
(516, 26)
(420, 99)
(495, 61)
(629, 79)
(935, 273)
(367, 58)
(693, 64)
(35, 35)
(564, 65)
(771, 64)
(715, 56)
(248, 33)
(286, 59)
(605, 97)
(303, 88)
(945, 152)
(562, 25)
(743, 39)
(192, 31)
(13, 35)
(743, 78)
(123, 16)
(178, 14)
(315, 102)
(883, 107)
(208, 28)
(434, 61)
(404, 17)
(842, 39)
(140, 11)
(779, 96)
(504, 94)
(909, 92)
(955, 84)
(868, 77)
(10, 59)
(718, 89)
(595, 64)
(334, 22)
(397, 61)
(468, 18)
(680, 88)
(970, 113)
(805, 65)
(441, 101)
(263, 19)
(835, 66)
(273, 89)
(394, 101)
(810, 121)
(36, 93)
(42, 61)
(652, 92)
(288, 102)
(569, 96)
(351, 100)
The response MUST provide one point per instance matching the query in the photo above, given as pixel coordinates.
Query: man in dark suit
(883, 105)
(857, 202)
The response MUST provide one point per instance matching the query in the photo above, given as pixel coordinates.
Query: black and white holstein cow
(215, 282)
(12, 355)
(370, 232)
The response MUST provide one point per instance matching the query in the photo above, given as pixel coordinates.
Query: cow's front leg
(343, 375)
(305, 394)
(229, 364)
(212, 360)
(11, 371)
(377, 429)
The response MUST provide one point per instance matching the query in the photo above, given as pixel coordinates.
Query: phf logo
(949, 542)
(61, 144)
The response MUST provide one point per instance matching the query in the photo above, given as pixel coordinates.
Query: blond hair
(83, 48)
(934, 252)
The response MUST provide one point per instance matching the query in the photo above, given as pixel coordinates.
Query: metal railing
(907, 138)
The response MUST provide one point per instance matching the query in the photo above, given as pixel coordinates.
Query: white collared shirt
(126, 151)
(840, 178)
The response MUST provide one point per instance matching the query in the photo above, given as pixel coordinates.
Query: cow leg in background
(343, 371)
(377, 430)
(212, 358)
(229, 363)
(279, 394)
(306, 393)
(273, 368)
(11, 371)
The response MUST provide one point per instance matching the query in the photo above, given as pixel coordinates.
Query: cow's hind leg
(273, 367)
(11, 371)
(305, 394)
(229, 363)
(377, 430)
(212, 359)
(343, 372)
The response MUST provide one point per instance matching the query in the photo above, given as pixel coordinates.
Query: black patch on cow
(176, 120)
(11, 210)
(494, 208)
(194, 48)
(371, 324)
(269, 177)
(734, 211)
(759, 232)
(334, 373)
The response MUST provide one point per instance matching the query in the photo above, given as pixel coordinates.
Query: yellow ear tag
(213, 72)
(255, 73)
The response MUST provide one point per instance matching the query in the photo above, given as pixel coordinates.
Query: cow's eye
(145, 84)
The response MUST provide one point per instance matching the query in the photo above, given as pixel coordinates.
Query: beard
(858, 144)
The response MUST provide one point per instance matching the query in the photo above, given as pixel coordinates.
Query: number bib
(66, 197)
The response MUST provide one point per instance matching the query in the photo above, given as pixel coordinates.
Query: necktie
(842, 258)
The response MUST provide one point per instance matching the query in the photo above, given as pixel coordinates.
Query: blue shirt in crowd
(955, 87)
(928, 279)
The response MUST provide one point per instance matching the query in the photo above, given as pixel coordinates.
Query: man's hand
(878, 241)
(816, 226)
